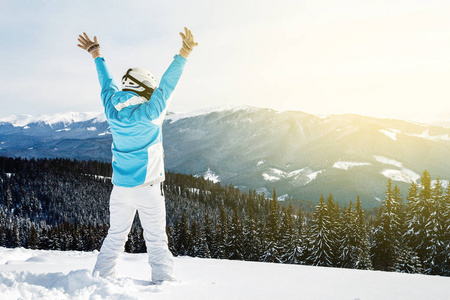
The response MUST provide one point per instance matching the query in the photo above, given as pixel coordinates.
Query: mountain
(301, 155)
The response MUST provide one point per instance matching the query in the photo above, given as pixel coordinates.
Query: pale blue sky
(380, 58)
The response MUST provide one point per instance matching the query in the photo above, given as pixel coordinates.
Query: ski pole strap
(93, 47)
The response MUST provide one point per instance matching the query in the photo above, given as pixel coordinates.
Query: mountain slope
(300, 154)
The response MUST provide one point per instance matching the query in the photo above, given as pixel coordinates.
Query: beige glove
(188, 43)
(90, 46)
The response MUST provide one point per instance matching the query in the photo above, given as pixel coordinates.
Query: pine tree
(170, 241)
(222, 234)
(33, 239)
(385, 248)
(435, 258)
(446, 228)
(411, 219)
(408, 261)
(321, 251)
(422, 215)
(290, 242)
(184, 237)
(272, 251)
(252, 243)
(210, 239)
(336, 233)
(362, 239)
(234, 244)
(348, 245)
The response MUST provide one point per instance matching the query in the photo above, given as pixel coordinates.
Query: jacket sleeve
(109, 88)
(156, 108)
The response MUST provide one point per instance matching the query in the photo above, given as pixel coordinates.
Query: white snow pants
(149, 202)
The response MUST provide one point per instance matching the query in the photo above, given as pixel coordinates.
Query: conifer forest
(62, 204)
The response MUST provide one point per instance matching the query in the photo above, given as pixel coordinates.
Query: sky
(383, 58)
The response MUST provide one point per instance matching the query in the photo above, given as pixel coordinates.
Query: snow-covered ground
(38, 274)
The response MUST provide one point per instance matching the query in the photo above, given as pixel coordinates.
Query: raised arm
(157, 106)
(109, 88)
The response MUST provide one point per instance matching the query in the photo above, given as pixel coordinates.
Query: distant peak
(175, 116)
(65, 118)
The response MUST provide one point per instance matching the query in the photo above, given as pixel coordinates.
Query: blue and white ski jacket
(135, 124)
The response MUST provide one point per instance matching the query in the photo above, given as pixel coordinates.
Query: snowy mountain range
(301, 155)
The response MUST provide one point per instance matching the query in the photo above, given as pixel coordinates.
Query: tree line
(63, 205)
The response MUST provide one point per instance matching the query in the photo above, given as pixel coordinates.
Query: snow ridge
(346, 165)
(65, 118)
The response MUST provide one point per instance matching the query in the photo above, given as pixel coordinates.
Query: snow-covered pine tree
(408, 261)
(434, 232)
(362, 239)
(336, 231)
(348, 245)
(411, 217)
(184, 237)
(234, 246)
(252, 243)
(210, 237)
(171, 244)
(385, 246)
(321, 251)
(199, 245)
(446, 227)
(221, 234)
(400, 215)
(195, 235)
(290, 242)
(33, 238)
(272, 249)
(422, 214)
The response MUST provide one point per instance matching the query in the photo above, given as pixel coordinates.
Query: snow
(346, 165)
(259, 163)
(105, 133)
(99, 176)
(391, 133)
(91, 128)
(404, 175)
(388, 161)
(270, 178)
(38, 274)
(436, 138)
(282, 197)
(210, 175)
(302, 176)
(313, 175)
(63, 129)
(444, 183)
(65, 118)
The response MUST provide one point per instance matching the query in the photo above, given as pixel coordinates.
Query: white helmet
(139, 80)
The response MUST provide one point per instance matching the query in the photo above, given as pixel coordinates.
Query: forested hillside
(63, 204)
